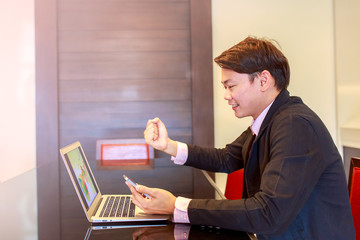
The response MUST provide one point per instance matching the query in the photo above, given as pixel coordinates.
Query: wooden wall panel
(121, 63)
(124, 40)
(128, 65)
(105, 66)
(124, 114)
(47, 125)
(125, 90)
(125, 15)
(202, 88)
(124, 56)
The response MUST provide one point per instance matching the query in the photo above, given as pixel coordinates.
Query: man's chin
(241, 115)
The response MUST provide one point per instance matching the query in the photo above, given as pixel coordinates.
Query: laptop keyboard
(118, 206)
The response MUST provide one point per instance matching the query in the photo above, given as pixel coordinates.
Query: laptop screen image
(80, 172)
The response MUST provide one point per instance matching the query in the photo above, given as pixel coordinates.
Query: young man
(294, 180)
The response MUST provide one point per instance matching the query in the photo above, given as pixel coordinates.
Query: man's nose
(227, 95)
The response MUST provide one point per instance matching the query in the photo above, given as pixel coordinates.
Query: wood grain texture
(123, 15)
(124, 114)
(202, 88)
(112, 65)
(125, 90)
(124, 40)
(124, 65)
(47, 145)
(121, 63)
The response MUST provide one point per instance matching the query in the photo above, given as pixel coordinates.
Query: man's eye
(229, 87)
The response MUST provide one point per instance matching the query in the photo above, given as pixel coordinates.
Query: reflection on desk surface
(33, 209)
(170, 231)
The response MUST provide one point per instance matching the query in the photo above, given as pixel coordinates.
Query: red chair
(354, 192)
(234, 185)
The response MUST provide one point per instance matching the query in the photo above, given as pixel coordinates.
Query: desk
(167, 232)
(39, 213)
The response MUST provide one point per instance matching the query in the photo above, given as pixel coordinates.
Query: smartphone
(134, 185)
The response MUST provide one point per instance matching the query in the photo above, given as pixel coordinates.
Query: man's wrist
(172, 210)
(171, 148)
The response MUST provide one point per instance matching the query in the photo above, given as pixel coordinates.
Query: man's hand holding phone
(157, 201)
(127, 179)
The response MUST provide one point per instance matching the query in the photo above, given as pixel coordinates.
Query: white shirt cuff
(181, 155)
(180, 212)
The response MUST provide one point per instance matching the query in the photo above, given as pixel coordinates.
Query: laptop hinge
(98, 205)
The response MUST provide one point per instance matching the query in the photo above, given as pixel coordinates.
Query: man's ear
(266, 80)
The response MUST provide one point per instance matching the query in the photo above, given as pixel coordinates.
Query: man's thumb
(143, 189)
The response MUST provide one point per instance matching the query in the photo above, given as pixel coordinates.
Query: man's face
(244, 96)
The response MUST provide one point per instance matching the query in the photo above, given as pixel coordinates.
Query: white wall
(18, 208)
(17, 91)
(304, 30)
(347, 27)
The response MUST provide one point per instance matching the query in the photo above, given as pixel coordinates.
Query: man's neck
(255, 127)
(269, 99)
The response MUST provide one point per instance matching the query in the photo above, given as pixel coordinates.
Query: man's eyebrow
(226, 81)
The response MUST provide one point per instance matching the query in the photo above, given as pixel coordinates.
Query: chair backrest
(354, 162)
(354, 193)
(234, 185)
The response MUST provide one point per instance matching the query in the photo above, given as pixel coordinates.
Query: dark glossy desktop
(42, 213)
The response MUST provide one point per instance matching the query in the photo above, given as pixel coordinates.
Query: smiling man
(294, 181)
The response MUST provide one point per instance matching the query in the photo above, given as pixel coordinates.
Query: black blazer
(294, 179)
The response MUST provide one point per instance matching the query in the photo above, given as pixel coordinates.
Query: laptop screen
(81, 173)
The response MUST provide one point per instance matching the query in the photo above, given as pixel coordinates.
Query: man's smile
(234, 106)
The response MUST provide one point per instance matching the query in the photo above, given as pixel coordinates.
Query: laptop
(100, 208)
